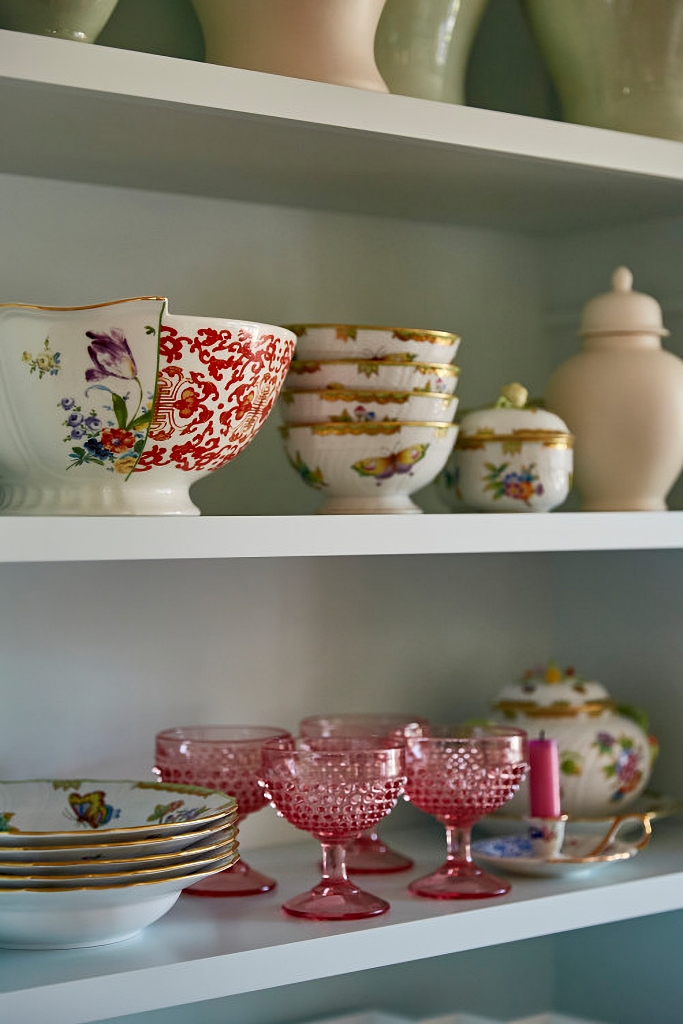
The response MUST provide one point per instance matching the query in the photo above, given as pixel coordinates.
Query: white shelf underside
(26, 539)
(117, 117)
(215, 948)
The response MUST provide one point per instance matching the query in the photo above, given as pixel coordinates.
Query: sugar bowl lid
(622, 311)
(552, 691)
(510, 418)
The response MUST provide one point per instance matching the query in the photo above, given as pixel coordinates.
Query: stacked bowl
(87, 862)
(368, 413)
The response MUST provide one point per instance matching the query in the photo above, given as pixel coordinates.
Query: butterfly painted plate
(91, 811)
(514, 854)
(229, 855)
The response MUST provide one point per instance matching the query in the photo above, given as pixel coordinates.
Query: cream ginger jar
(622, 397)
(606, 754)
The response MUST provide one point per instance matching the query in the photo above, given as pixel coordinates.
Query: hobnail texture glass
(368, 854)
(334, 788)
(228, 758)
(458, 775)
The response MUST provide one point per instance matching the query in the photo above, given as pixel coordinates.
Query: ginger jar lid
(550, 691)
(511, 418)
(622, 311)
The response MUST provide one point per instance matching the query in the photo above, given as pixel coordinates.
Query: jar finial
(622, 280)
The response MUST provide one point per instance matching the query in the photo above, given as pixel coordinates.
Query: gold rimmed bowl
(354, 341)
(347, 405)
(365, 468)
(390, 374)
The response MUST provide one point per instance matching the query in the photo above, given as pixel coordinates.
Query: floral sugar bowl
(606, 754)
(510, 457)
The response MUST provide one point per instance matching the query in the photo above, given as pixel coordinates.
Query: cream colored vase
(622, 398)
(323, 40)
(423, 46)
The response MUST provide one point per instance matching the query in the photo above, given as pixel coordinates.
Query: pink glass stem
(370, 855)
(459, 877)
(238, 880)
(335, 897)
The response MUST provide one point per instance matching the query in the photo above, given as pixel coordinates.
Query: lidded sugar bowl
(606, 754)
(510, 457)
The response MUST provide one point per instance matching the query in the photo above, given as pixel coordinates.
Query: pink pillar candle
(544, 778)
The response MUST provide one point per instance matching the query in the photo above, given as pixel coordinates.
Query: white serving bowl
(116, 409)
(350, 341)
(368, 467)
(377, 374)
(33, 919)
(39, 812)
(334, 405)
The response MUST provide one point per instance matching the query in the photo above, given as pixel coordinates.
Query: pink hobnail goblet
(228, 758)
(368, 854)
(333, 788)
(458, 774)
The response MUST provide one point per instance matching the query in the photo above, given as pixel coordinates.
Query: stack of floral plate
(368, 413)
(86, 862)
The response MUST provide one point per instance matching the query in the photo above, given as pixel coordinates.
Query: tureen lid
(554, 691)
(510, 416)
(622, 311)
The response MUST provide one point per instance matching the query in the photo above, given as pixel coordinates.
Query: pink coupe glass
(368, 854)
(458, 775)
(334, 788)
(228, 758)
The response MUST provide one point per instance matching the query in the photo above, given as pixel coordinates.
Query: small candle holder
(546, 835)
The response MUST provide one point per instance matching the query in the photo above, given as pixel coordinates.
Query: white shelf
(97, 539)
(207, 949)
(117, 117)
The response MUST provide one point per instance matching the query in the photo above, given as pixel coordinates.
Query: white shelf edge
(185, 83)
(108, 538)
(209, 949)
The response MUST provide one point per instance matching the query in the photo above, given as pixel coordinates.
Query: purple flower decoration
(93, 423)
(68, 403)
(111, 355)
(77, 433)
(74, 419)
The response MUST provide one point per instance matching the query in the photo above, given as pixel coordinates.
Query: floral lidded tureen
(511, 456)
(606, 754)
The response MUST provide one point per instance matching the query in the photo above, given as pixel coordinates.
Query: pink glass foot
(459, 880)
(239, 880)
(368, 855)
(335, 900)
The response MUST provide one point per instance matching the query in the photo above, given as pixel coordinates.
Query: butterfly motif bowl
(47, 812)
(393, 374)
(348, 405)
(350, 341)
(117, 408)
(368, 467)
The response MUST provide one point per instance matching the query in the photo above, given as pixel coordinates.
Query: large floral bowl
(118, 408)
(368, 467)
(334, 405)
(378, 374)
(350, 341)
(40, 812)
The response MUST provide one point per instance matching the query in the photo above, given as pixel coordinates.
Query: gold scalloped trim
(560, 709)
(400, 333)
(301, 366)
(366, 429)
(548, 438)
